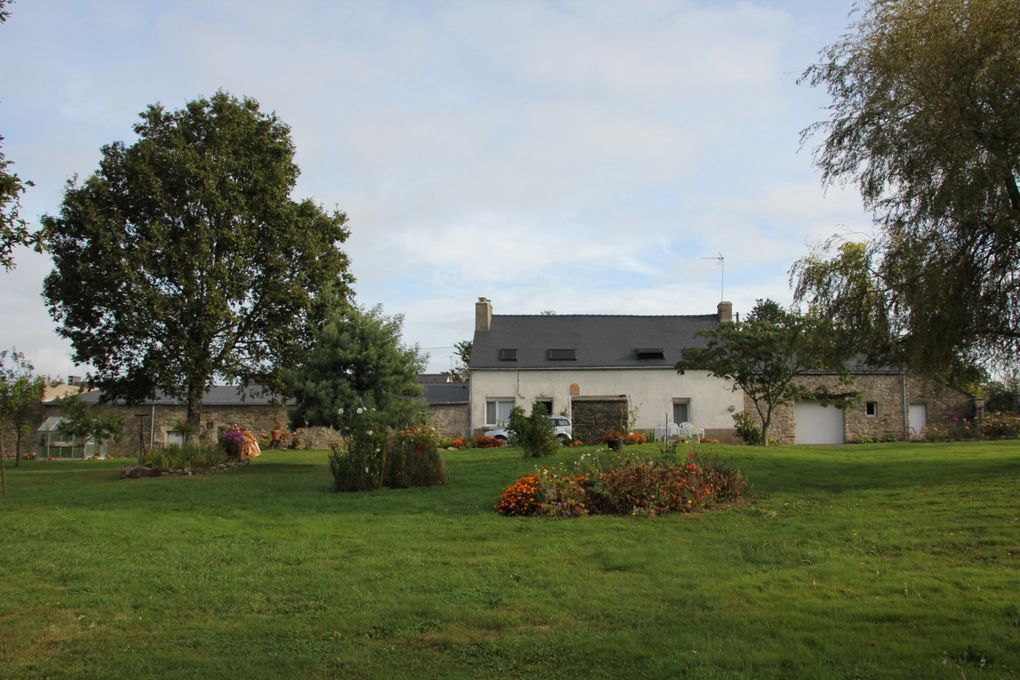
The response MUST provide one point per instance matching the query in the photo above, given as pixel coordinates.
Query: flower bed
(627, 485)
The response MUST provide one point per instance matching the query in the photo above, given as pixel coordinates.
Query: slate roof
(217, 395)
(600, 341)
(441, 394)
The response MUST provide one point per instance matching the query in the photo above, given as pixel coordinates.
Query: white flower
(368, 432)
(340, 411)
(360, 411)
(366, 469)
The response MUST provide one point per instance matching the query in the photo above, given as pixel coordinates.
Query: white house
(574, 361)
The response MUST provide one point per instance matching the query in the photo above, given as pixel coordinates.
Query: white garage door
(817, 424)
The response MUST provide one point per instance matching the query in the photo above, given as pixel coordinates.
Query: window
(562, 354)
(508, 354)
(174, 438)
(681, 411)
(497, 411)
(871, 408)
(547, 404)
(650, 353)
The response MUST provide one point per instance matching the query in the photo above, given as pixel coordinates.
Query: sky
(587, 157)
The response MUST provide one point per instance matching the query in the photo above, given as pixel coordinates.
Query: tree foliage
(14, 230)
(84, 421)
(925, 119)
(764, 355)
(184, 257)
(460, 373)
(534, 434)
(20, 393)
(358, 361)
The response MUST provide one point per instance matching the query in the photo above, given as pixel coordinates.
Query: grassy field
(883, 561)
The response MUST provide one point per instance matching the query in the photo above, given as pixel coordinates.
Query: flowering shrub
(422, 438)
(359, 461)
(1000, 426)
(413, 460)
(521, 498)
(628, 485)
(635, 438)
(991, 426)
(484, 441)
(233, 442)
(458, 443)
(613, 435)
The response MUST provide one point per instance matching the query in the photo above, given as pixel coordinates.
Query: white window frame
(492, 410)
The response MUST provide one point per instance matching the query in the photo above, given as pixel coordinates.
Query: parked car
(561, 425)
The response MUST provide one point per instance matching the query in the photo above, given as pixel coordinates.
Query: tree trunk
(17, 448)
(195, 394)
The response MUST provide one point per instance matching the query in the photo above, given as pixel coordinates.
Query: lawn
(880, 561)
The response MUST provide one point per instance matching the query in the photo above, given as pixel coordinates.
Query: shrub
(484, 441)
(521, 498)
(635, 438)
(358, 462)
(233, 442)
(535, 434)
(184, 457)
(746, 428)
(414, 460)
(1000, 426)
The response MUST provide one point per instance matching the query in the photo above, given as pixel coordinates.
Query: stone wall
(317, 438)
(450, 420)
(886, 391)
(158, 423)
(592, 417)
(33, 422)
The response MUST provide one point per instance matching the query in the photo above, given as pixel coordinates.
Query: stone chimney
(725, 312)
(483, 314)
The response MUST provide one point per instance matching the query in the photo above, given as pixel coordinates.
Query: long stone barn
(157, 422)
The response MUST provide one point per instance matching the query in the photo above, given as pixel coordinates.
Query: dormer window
(508, 354)
(650, 353)
(562, 354)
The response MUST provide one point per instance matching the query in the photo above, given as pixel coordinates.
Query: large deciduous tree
(14, 230)
(764, 355)
(925, 119)
(184, 256)
(358, 361)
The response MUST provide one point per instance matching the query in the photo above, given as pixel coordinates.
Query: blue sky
(582, 157)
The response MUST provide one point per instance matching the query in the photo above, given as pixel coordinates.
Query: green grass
(880, 561)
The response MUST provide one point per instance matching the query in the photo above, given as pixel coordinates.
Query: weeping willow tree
(925, 120)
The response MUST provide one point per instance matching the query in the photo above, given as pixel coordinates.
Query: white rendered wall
(651, 392)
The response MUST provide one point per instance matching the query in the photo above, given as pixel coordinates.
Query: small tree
(764, 355)
(535, 434)
(20, 393)
(84, 421)
(358, 360)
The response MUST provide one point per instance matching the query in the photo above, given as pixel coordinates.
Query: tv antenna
(722, 273)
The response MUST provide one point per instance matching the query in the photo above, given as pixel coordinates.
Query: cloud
(580, 156)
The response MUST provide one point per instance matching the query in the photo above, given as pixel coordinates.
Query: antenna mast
(722, 273)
